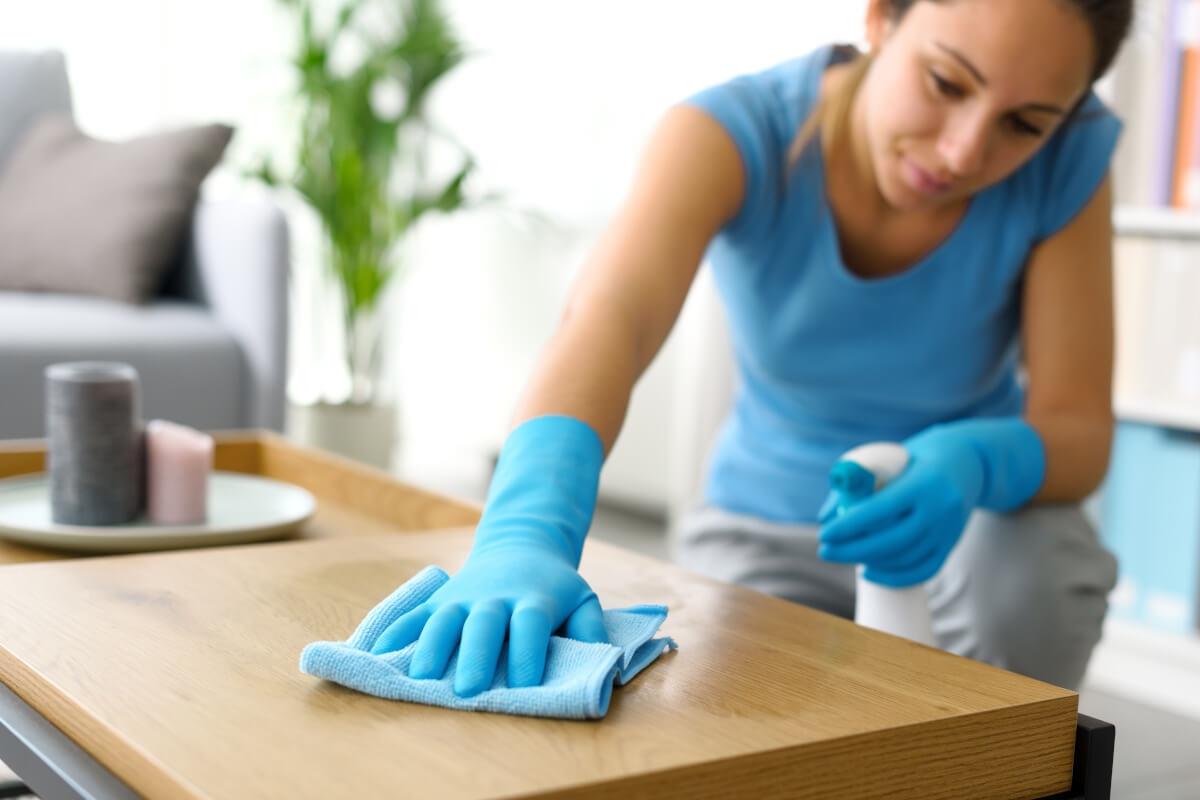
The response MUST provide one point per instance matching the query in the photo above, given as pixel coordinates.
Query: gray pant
(1025, 591)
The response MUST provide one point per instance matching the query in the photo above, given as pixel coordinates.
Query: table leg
(53, 766)
(10, 784)
(1095, 743)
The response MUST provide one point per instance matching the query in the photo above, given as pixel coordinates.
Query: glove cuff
(543, 492)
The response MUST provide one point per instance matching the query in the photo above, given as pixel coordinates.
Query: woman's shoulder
(762, 112)
(1059, 180)
(783, 92)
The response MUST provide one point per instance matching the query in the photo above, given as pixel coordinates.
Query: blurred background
(518, 154)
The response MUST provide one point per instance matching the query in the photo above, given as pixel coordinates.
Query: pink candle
(178, 460)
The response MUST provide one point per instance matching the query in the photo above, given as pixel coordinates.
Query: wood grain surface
(352, 499)
(178, 671)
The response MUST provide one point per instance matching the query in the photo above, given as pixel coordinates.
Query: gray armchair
(211, 349)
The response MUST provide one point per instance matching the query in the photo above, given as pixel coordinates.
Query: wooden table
(174, 675)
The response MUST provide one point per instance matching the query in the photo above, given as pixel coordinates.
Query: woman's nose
(964, 143)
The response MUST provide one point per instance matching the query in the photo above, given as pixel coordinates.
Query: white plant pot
(366, 433)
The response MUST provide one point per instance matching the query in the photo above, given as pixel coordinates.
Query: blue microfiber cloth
(577, 684)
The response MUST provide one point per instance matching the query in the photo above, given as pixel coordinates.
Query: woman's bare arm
(1067, 334)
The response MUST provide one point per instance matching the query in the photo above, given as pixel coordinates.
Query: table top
(179, 673)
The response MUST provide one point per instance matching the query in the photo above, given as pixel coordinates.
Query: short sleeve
(758, 112)
(1067, 173)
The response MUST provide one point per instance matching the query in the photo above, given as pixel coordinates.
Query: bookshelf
(1156, 178)
(1157, 250)
(1149, 227)
(1156, 412)
(1153, 222)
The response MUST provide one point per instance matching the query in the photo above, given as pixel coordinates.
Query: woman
(886, 232)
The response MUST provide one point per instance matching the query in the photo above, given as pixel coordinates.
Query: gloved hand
(903, 533)
(521, 576)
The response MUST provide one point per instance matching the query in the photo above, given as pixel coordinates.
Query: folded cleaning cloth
(577, 684)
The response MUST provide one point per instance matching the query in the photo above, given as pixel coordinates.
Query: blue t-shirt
(827, 360)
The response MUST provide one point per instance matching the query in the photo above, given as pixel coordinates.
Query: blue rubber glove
(521, 577)
(904, 533)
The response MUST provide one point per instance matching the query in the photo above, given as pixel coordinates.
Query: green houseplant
(361, 151)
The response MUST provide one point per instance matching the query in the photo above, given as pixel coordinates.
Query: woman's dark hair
(1109, 20)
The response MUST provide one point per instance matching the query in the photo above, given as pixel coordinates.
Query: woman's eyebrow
(960, 58)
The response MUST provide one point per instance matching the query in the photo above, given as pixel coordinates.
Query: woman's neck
(875, 237)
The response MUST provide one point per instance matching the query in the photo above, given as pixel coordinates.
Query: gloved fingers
(891, 542)
(586, 623)
(437, 642)
(918, 569)
(482, 637)
(876, 512)
(942, 530)
(828, 508)
(924, 547)
(528, 642)
(403, 631)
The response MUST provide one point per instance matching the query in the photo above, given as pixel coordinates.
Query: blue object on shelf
(1151, 520)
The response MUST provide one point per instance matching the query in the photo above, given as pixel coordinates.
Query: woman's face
(963, 93)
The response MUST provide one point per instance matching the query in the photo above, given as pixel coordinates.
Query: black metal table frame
(55, 768)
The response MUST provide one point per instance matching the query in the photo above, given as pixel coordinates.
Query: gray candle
(93, 422)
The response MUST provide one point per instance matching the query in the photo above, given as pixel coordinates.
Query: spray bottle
(858, 474)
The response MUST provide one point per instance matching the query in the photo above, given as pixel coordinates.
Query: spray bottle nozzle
(851, 480)
(866, 469)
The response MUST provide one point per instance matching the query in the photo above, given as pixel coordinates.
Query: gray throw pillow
(85, 216)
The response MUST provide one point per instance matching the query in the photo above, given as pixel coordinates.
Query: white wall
(555, 104)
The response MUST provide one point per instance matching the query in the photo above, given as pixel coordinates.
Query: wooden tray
(352, 499)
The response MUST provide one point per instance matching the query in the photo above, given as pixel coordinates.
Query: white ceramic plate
(241, 508)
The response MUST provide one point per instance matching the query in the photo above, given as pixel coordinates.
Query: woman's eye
(1021, 126)
(944, 86)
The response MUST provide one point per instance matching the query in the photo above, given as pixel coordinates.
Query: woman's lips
(921, 180)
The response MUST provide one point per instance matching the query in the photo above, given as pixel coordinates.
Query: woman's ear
(879, 22)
